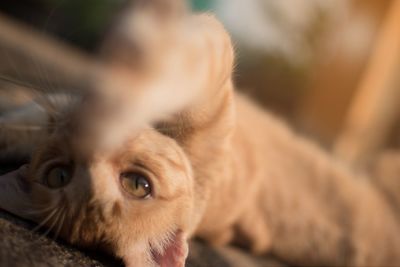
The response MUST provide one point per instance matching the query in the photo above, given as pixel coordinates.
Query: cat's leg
(159, 45)
(186, 67)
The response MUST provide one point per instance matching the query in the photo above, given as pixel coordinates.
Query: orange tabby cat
(118, 174)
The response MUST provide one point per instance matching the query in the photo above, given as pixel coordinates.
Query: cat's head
(134, 200)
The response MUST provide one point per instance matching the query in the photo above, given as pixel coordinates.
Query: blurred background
(329, 67)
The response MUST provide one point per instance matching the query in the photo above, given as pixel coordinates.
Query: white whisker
(60, 223)
(43, 222)
(38, 210)
(54, 223)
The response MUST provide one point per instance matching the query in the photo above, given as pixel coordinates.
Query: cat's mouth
(14, 193)
(174, 254)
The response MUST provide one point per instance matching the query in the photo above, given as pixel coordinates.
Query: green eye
(136, 184)
(57, 177)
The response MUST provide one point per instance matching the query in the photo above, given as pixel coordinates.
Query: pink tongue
(175, 253)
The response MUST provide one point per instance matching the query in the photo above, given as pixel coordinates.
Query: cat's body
(292, 199)
(220, 169)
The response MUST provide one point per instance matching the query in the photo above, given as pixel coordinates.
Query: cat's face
(135, 201)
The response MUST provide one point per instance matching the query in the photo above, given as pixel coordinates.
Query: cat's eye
(57, 177)
(136, 184)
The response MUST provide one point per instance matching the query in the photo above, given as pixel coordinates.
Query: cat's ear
(172, 254)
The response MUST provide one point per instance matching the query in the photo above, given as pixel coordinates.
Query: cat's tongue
(14, 195)
(174, 254)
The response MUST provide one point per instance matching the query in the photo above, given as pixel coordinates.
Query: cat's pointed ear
(172, 254)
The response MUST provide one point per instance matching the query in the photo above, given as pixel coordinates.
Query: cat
(164, 149)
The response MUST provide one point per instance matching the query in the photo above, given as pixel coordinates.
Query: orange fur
(221, 169)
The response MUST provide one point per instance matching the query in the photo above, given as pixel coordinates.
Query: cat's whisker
(53, 224)
(44, 221)
(60, 222)
(38, 210)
